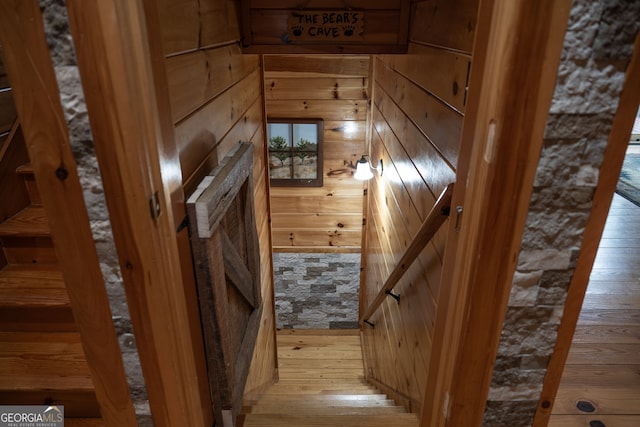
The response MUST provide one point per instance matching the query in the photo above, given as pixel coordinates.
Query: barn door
(227, 263)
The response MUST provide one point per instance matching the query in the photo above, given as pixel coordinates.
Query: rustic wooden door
(227, 264)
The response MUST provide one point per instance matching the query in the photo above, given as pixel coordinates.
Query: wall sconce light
(364, 167)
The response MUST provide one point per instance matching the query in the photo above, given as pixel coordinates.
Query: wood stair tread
(29, 222)
(32, 286)
(313, 410)
(43, 361)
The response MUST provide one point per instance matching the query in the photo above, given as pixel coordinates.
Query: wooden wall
(418, 109)
(216, 101)
(336, 90)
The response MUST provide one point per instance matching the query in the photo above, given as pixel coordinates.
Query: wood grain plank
(330, 204)
(445, 23)
(219, 22)
(438, 122)
(201, 132)
(342, 221)
(180, 25)
(197, 77)
(325, 109)
(348, 66)
(585, 420)
(315, 88)
(607, 354)
(440, 72)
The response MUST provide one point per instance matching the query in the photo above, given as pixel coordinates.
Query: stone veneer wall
(60, 43)
(596, 52)
(316, 290)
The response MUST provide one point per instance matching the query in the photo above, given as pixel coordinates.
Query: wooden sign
(326, 25)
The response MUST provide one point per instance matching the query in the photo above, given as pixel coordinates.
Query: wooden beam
(141, 180)
(38, 103)
(609, 174)
(510, 92)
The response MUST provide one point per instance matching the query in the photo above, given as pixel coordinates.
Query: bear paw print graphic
(297, 30)
(348, 30)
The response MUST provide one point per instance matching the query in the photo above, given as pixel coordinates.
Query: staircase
(41, 357)
(322, 384)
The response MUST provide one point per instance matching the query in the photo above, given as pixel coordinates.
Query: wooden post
(515, 61)
(37, 100)
(117, 72)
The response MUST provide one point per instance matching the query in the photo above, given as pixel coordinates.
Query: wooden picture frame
(295, 152)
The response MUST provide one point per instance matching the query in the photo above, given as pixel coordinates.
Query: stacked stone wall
(316, 290)
(596, 52)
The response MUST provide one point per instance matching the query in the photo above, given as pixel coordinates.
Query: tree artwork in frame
(295, 152)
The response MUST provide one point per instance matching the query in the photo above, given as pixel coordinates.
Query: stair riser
(34, 319)
(28, 250)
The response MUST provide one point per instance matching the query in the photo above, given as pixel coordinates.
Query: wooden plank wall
(336, 90)
(216, 101)
(418, 109)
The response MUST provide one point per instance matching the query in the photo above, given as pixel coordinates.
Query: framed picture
(295, 152)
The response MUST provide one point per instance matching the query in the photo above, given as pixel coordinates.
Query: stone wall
(596, 52)
(316, 290)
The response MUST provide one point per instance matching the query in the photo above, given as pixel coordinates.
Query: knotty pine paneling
(200, 76)
(316, 66)
(417, 112)
(216, 101)
(201, 132)
(336, 90)
(189, 25)
(447, 23)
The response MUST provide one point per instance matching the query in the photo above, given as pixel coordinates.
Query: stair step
(46, 368)
(312, 410)
(32, 221)
(281, 420)
(327, 399)
(26, 171)
(34, 297)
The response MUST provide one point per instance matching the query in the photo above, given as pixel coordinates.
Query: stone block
(524, 291)
(544, 259)
(512, 413)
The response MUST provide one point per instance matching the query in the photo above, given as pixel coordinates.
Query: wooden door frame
(470, 317)
(122, 68)
(500, 148)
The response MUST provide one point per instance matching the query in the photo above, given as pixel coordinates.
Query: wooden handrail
(428, 229)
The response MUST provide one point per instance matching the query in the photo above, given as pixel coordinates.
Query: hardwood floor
(603, 368)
